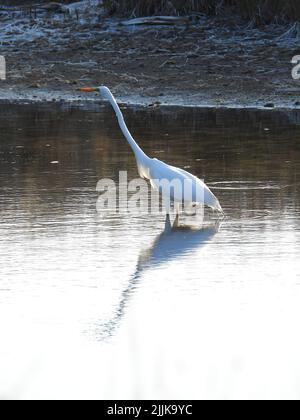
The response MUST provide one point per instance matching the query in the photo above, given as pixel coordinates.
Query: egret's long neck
(139, 154)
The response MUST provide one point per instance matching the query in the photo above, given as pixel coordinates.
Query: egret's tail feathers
(218, 207)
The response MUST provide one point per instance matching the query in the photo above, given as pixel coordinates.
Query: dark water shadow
(171, 244)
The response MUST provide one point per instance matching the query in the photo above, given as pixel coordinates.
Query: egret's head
(104, 91)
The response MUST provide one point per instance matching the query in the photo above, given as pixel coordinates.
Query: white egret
(159, 173)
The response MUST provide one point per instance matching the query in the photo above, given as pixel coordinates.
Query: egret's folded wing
(197, 190)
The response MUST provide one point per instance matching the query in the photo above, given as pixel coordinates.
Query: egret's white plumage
(157, 171)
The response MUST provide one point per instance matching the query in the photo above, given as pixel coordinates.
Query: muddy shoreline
(170, 102)
(205, 63)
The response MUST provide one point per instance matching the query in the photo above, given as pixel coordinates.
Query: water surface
(113, 306)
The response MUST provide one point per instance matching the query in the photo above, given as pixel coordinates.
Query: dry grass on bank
(257, 10)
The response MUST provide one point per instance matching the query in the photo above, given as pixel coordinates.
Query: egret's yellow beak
(88, 89)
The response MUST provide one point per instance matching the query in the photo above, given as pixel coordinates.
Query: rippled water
(112, 306)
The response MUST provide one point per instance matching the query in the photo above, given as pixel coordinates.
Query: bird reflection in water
(171, 244)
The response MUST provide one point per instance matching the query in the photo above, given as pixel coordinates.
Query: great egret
(186, 188)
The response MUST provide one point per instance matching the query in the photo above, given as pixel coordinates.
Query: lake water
(111, 306)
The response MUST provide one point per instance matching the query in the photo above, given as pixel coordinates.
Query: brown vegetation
(256, 10)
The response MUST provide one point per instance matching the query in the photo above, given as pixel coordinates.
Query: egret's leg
(176, 222)
(168, 209)
(168, 225)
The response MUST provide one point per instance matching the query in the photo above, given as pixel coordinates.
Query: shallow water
(111, 306)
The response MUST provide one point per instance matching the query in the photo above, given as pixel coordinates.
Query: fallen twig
(156, 20)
